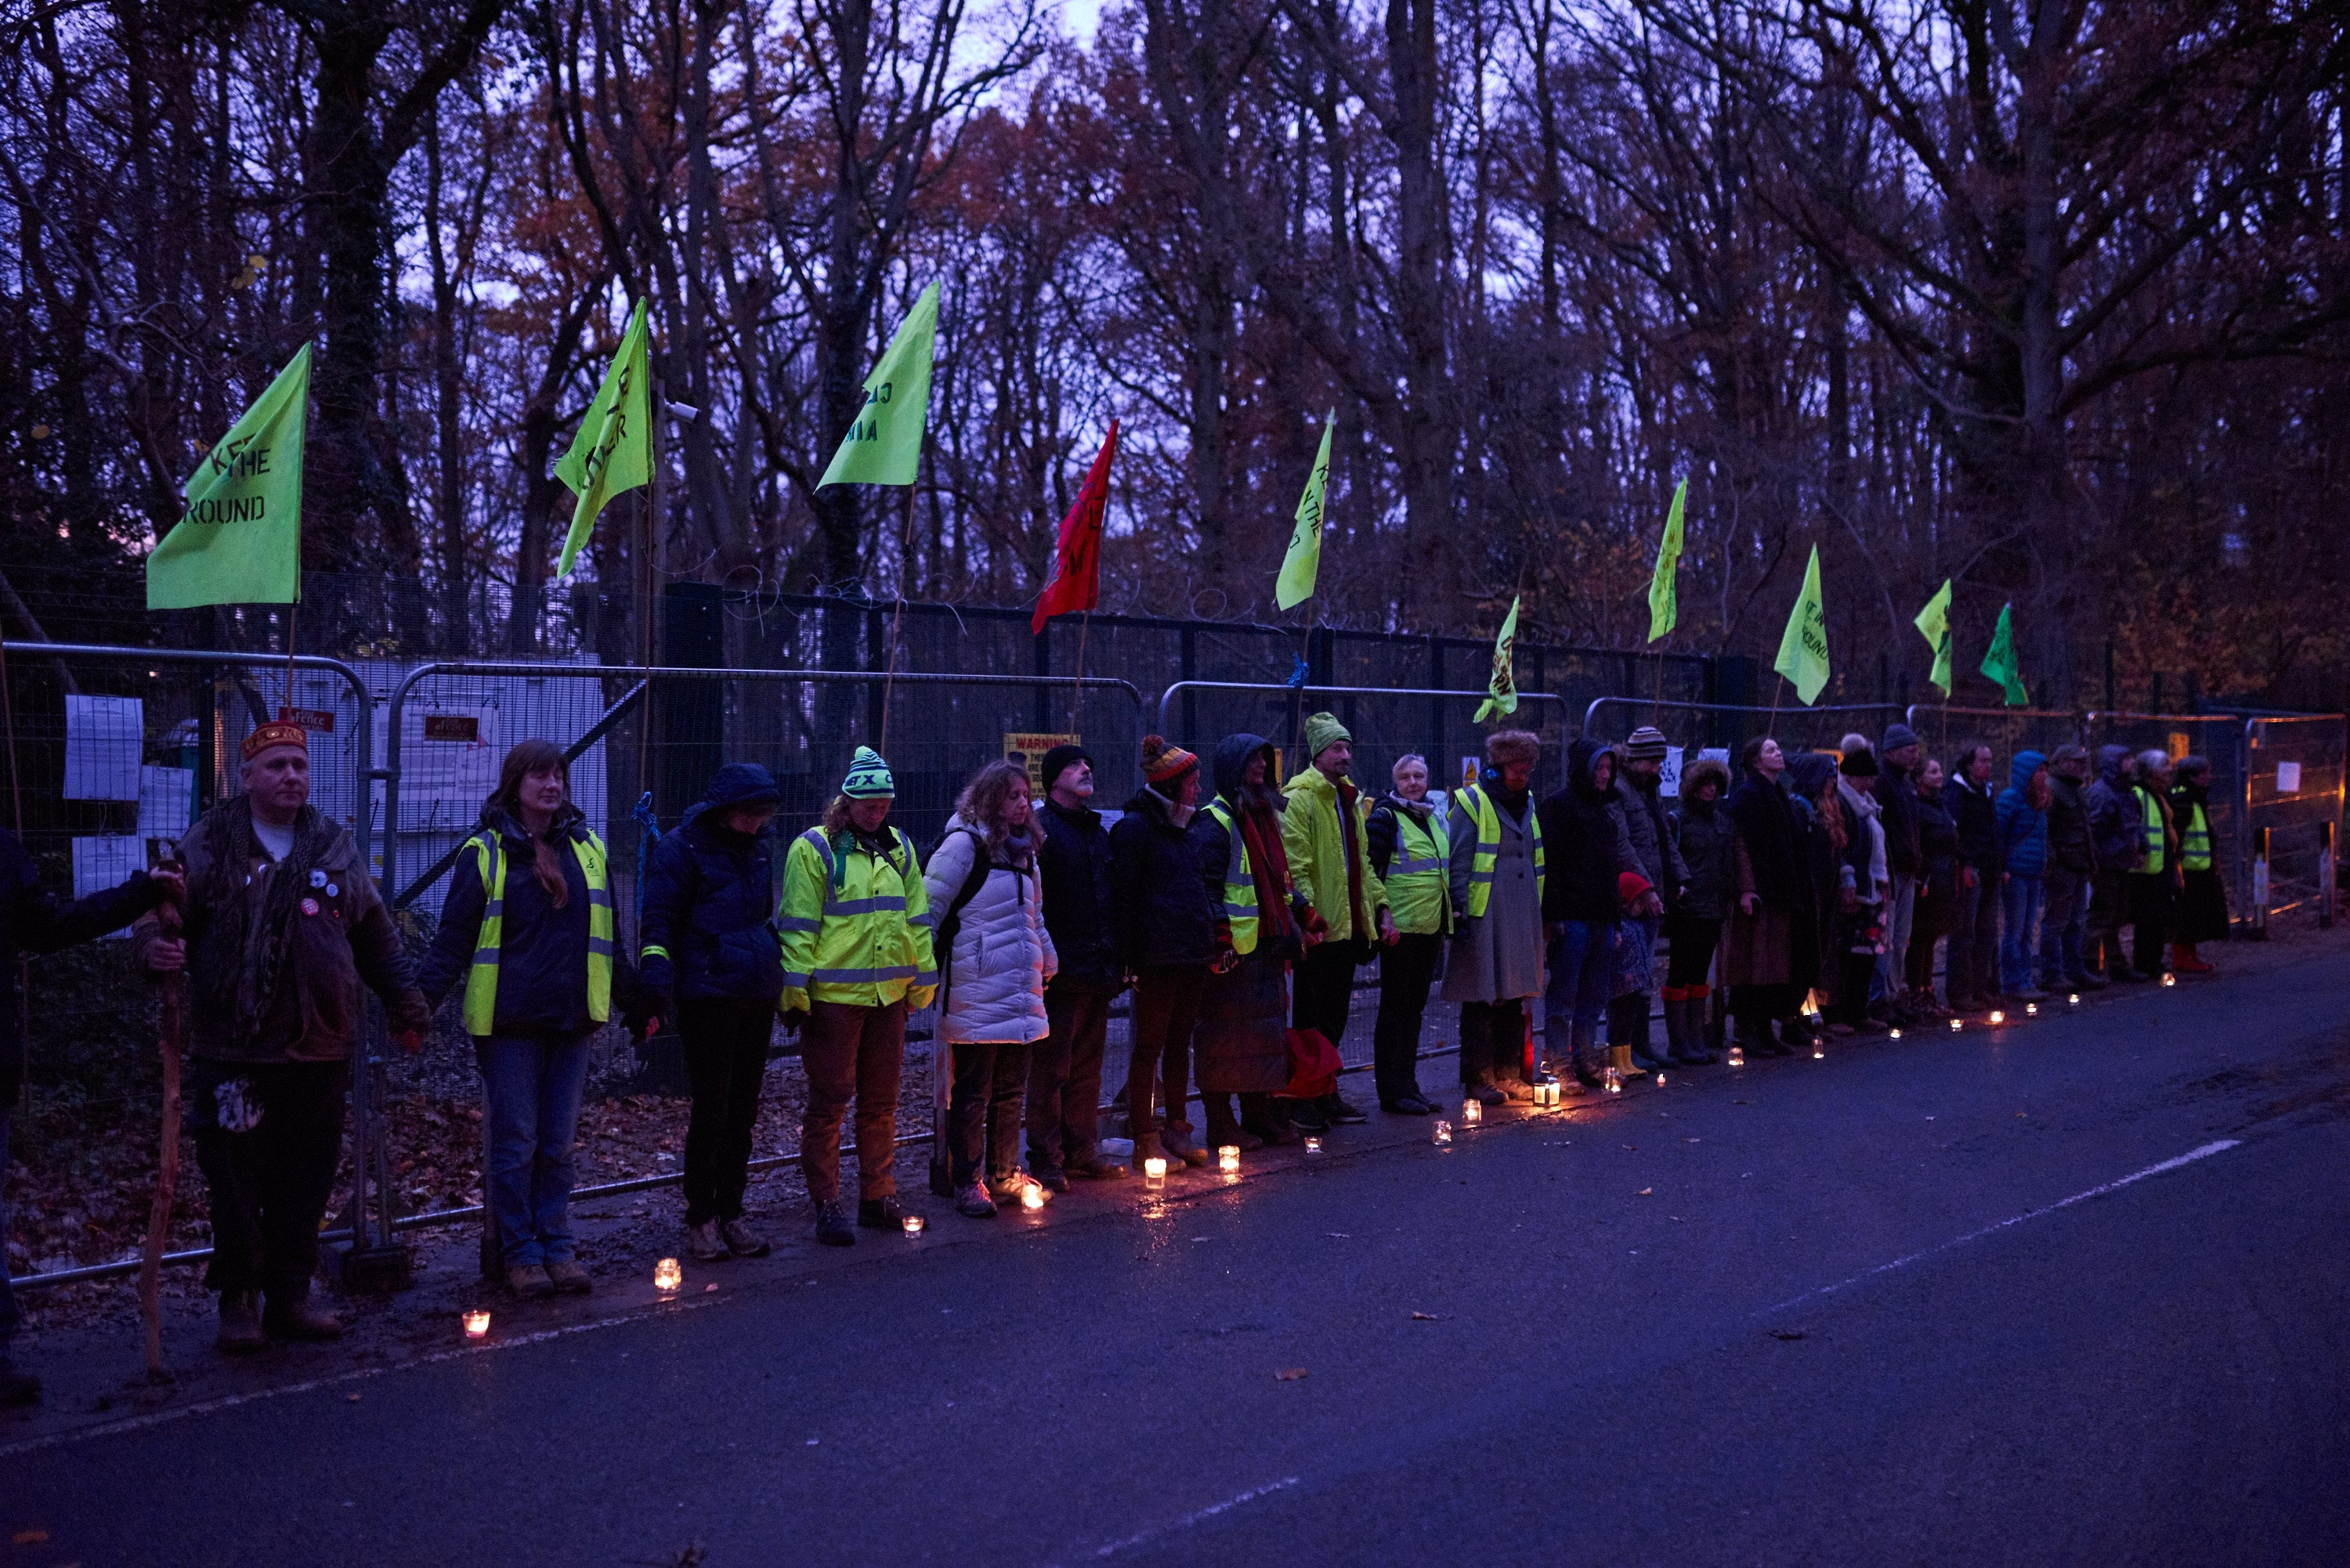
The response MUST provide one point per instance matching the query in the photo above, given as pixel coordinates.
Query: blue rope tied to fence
(645, 842)
(1297, 675)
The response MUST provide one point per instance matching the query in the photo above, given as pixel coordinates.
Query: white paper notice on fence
(2288, 778)
(449, 757)
(1669, 781)
(104, 737)
(101, 861)
(165, 796)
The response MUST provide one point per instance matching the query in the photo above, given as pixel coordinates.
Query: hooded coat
(2115, 823)
(1643, 812)
(2022, 826)
(1587, 842)
(710, 899)
(1896, 801)
(992, 976)
(1708, 847)
(1242, 1042)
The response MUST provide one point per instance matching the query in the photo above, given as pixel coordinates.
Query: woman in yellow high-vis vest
(526, 939)
(1411, 851)
(2202, 898)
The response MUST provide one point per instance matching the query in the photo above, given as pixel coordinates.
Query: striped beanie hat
(1164, 762)
(868, 777)
(1646, 744)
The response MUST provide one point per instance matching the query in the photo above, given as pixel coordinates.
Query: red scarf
(1269, 865)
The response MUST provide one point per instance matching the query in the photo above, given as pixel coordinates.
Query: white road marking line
(2189, 1158)
(1189, 1520)
(230, 1401)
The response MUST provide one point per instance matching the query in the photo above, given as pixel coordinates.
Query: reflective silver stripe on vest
(1476, 876)
(1240, 911)
(486, 955)
(798, 923)
(600, 947)
(1405, 864)
(875, 905)
(862, 976)
(600, 897)
(795, 981)
(927, 977)
(924, 919)
(493, 908)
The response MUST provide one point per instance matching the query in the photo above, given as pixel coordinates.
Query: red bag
(1312, 1065)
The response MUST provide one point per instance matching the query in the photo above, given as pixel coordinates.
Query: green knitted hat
(868, 777)
(1322, 729)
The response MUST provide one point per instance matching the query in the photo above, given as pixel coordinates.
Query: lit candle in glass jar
(667, 1275)
(1313, 1145)
(1154, 1172)
(2073, 1000)
(912, 1225)
(1957, 1024)
(2169, 979)
(1997, 1016)
(1034, 1197)
(1819, 1049)
(1897, 1034)
(1471, 1112)
(2031, 1010)
(1615, 1081)
(1228, 1158)
(477, 1324)
(1737, 1056)
(1443, 1130)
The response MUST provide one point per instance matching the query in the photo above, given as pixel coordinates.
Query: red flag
(1076, 582)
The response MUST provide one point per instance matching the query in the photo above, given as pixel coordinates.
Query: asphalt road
(2074, 1293)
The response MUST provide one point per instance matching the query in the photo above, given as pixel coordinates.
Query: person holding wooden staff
(282, 928)
(36, 922)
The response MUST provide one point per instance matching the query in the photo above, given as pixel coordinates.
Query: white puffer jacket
(1003, 954)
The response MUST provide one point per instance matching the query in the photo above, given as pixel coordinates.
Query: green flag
(884, 445)
(1804, 649)
(614, 450)
(1304, 561)
(1502, 690)
(240, 540)
(1664, 602)
(1999, 664)
(1934, 623)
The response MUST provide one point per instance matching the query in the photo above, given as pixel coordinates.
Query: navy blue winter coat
(1160, 905)
(1075, 861)
(2115, 819)
(710, 901)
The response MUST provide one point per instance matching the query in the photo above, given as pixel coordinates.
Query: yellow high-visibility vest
(2155, 849)
(1487, 818)
(2195, 840)
(1418, 877)
(1239, 881)
(481, 980)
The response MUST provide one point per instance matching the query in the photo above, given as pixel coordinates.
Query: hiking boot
(1005, 1186)
(704, 1244)
(832, 1225)
(528, 1281)
(240, 1322)
(741, 1241)
(570, 1278)
(1052, 1179)
(1486, 1093)
(1513, 1087)
(1179, 1146)
(298, 1317)
(1094, 1168)
(884, 1213)
(974, 1201)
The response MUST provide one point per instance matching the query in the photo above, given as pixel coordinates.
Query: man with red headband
(282, 926)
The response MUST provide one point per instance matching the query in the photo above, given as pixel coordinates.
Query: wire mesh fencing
(2293, 796)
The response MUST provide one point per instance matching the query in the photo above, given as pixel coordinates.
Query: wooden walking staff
(170, 989)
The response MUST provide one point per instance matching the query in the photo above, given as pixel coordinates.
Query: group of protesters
(1237, 908)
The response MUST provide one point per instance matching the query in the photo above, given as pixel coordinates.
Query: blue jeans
(7, 1301)
(531, 1087)
(1581, 972)
(2019, 939)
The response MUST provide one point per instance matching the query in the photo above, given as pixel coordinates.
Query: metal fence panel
(2293, 788)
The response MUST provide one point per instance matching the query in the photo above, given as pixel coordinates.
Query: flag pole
(291, 611)
(1776, 692)
(1077, 696)
(889, 677)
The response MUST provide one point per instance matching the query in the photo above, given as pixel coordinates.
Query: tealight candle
(1154, 1170)
(668, 1275)
(1997, 1016)
(1819, 1049)
(1660, 1075)
(1897, 1034)
(2073, 1000)
(1471, 1112)
(1737, 1056)
(2169, 979)
(1957, 1024)
(1615, 1081)
(1034, 1197)
(1313, 1145)
(913, 1224)
(1443, 1130)
(2031, 1010)
(477, 1324)
(1228, 1158)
